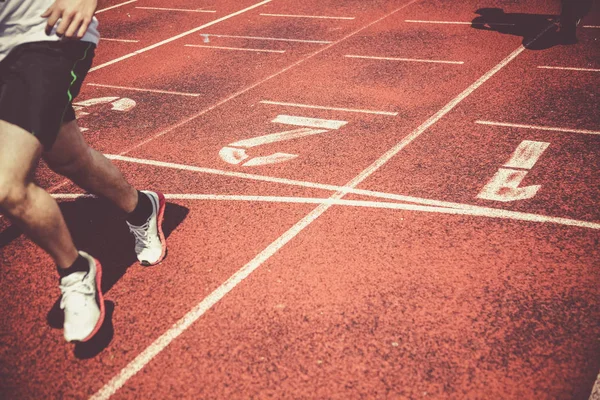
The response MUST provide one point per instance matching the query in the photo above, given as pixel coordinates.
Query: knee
(14, 197)
(71, 165)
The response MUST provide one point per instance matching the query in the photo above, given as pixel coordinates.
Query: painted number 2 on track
(235, 153)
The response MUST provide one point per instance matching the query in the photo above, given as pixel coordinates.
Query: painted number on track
(504, 185)
(117, 104)
(235, 153)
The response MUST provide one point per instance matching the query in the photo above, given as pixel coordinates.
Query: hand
(75, 16)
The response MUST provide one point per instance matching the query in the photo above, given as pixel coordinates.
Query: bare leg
(72, 157)
(25, 203)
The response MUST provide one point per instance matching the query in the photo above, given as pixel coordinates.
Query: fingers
(73, 28)
(53, 15)
(83, 28)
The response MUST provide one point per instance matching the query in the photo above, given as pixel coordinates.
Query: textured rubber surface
(411, 285)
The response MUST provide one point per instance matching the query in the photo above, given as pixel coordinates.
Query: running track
(362, 204)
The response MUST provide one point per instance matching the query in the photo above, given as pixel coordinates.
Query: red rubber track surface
(386, 297)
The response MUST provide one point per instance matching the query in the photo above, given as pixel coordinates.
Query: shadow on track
(99, 230)
(528, 26)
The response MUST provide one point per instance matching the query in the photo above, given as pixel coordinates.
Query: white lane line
(267, 38)
(479, 212)
(305, 16)
(145, 90)
(403, 59)
(176, 9)
(592, 26)
(119, 40)
(570, 68)
(415, 21)
(171, 39)
(115, 6)
(354, 110)
(235, 48)
(309, 122)
(538, 127)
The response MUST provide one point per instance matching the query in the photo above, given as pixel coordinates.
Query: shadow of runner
(528, 26)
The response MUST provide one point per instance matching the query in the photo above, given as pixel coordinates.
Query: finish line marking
(355, 110)
(537, 127)
(144, 90)
(404, 59)
(171, 39)
(571, 68)
(467, 210)
(235, 48)
(115, 6)
(147, 355)
(305, 16)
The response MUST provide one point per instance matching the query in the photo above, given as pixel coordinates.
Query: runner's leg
(72, 157)
(25, 203)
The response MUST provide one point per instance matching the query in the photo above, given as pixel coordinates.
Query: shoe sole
(162, 203)
(100, 300)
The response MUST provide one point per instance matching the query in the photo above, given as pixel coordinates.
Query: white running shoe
(82, 302)
(150, 244)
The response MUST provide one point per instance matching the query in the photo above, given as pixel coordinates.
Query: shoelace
(140, 234)
(79, 287)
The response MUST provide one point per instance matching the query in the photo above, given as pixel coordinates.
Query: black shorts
(38, 82)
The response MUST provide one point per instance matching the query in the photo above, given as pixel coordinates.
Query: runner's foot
(82, 301)
(150, 244)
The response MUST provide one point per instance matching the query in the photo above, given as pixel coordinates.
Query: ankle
(143, 210)
(79, 265)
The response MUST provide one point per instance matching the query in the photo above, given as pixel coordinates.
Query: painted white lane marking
(354, 110)
(144, 90)
(176, 9)
(475, 211)
(309, 122)
(171, 39)
(115, 6)
(119, 40)
(592, 26)
(278, 137)
(403, 59)
(193, 315)
(235, 48)
(117, 104)
(415, 21)
(571, 68)
(268, 38)
(538, 127)
(290, 182)
(235, 155)
(305, 16)
(527, 154)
